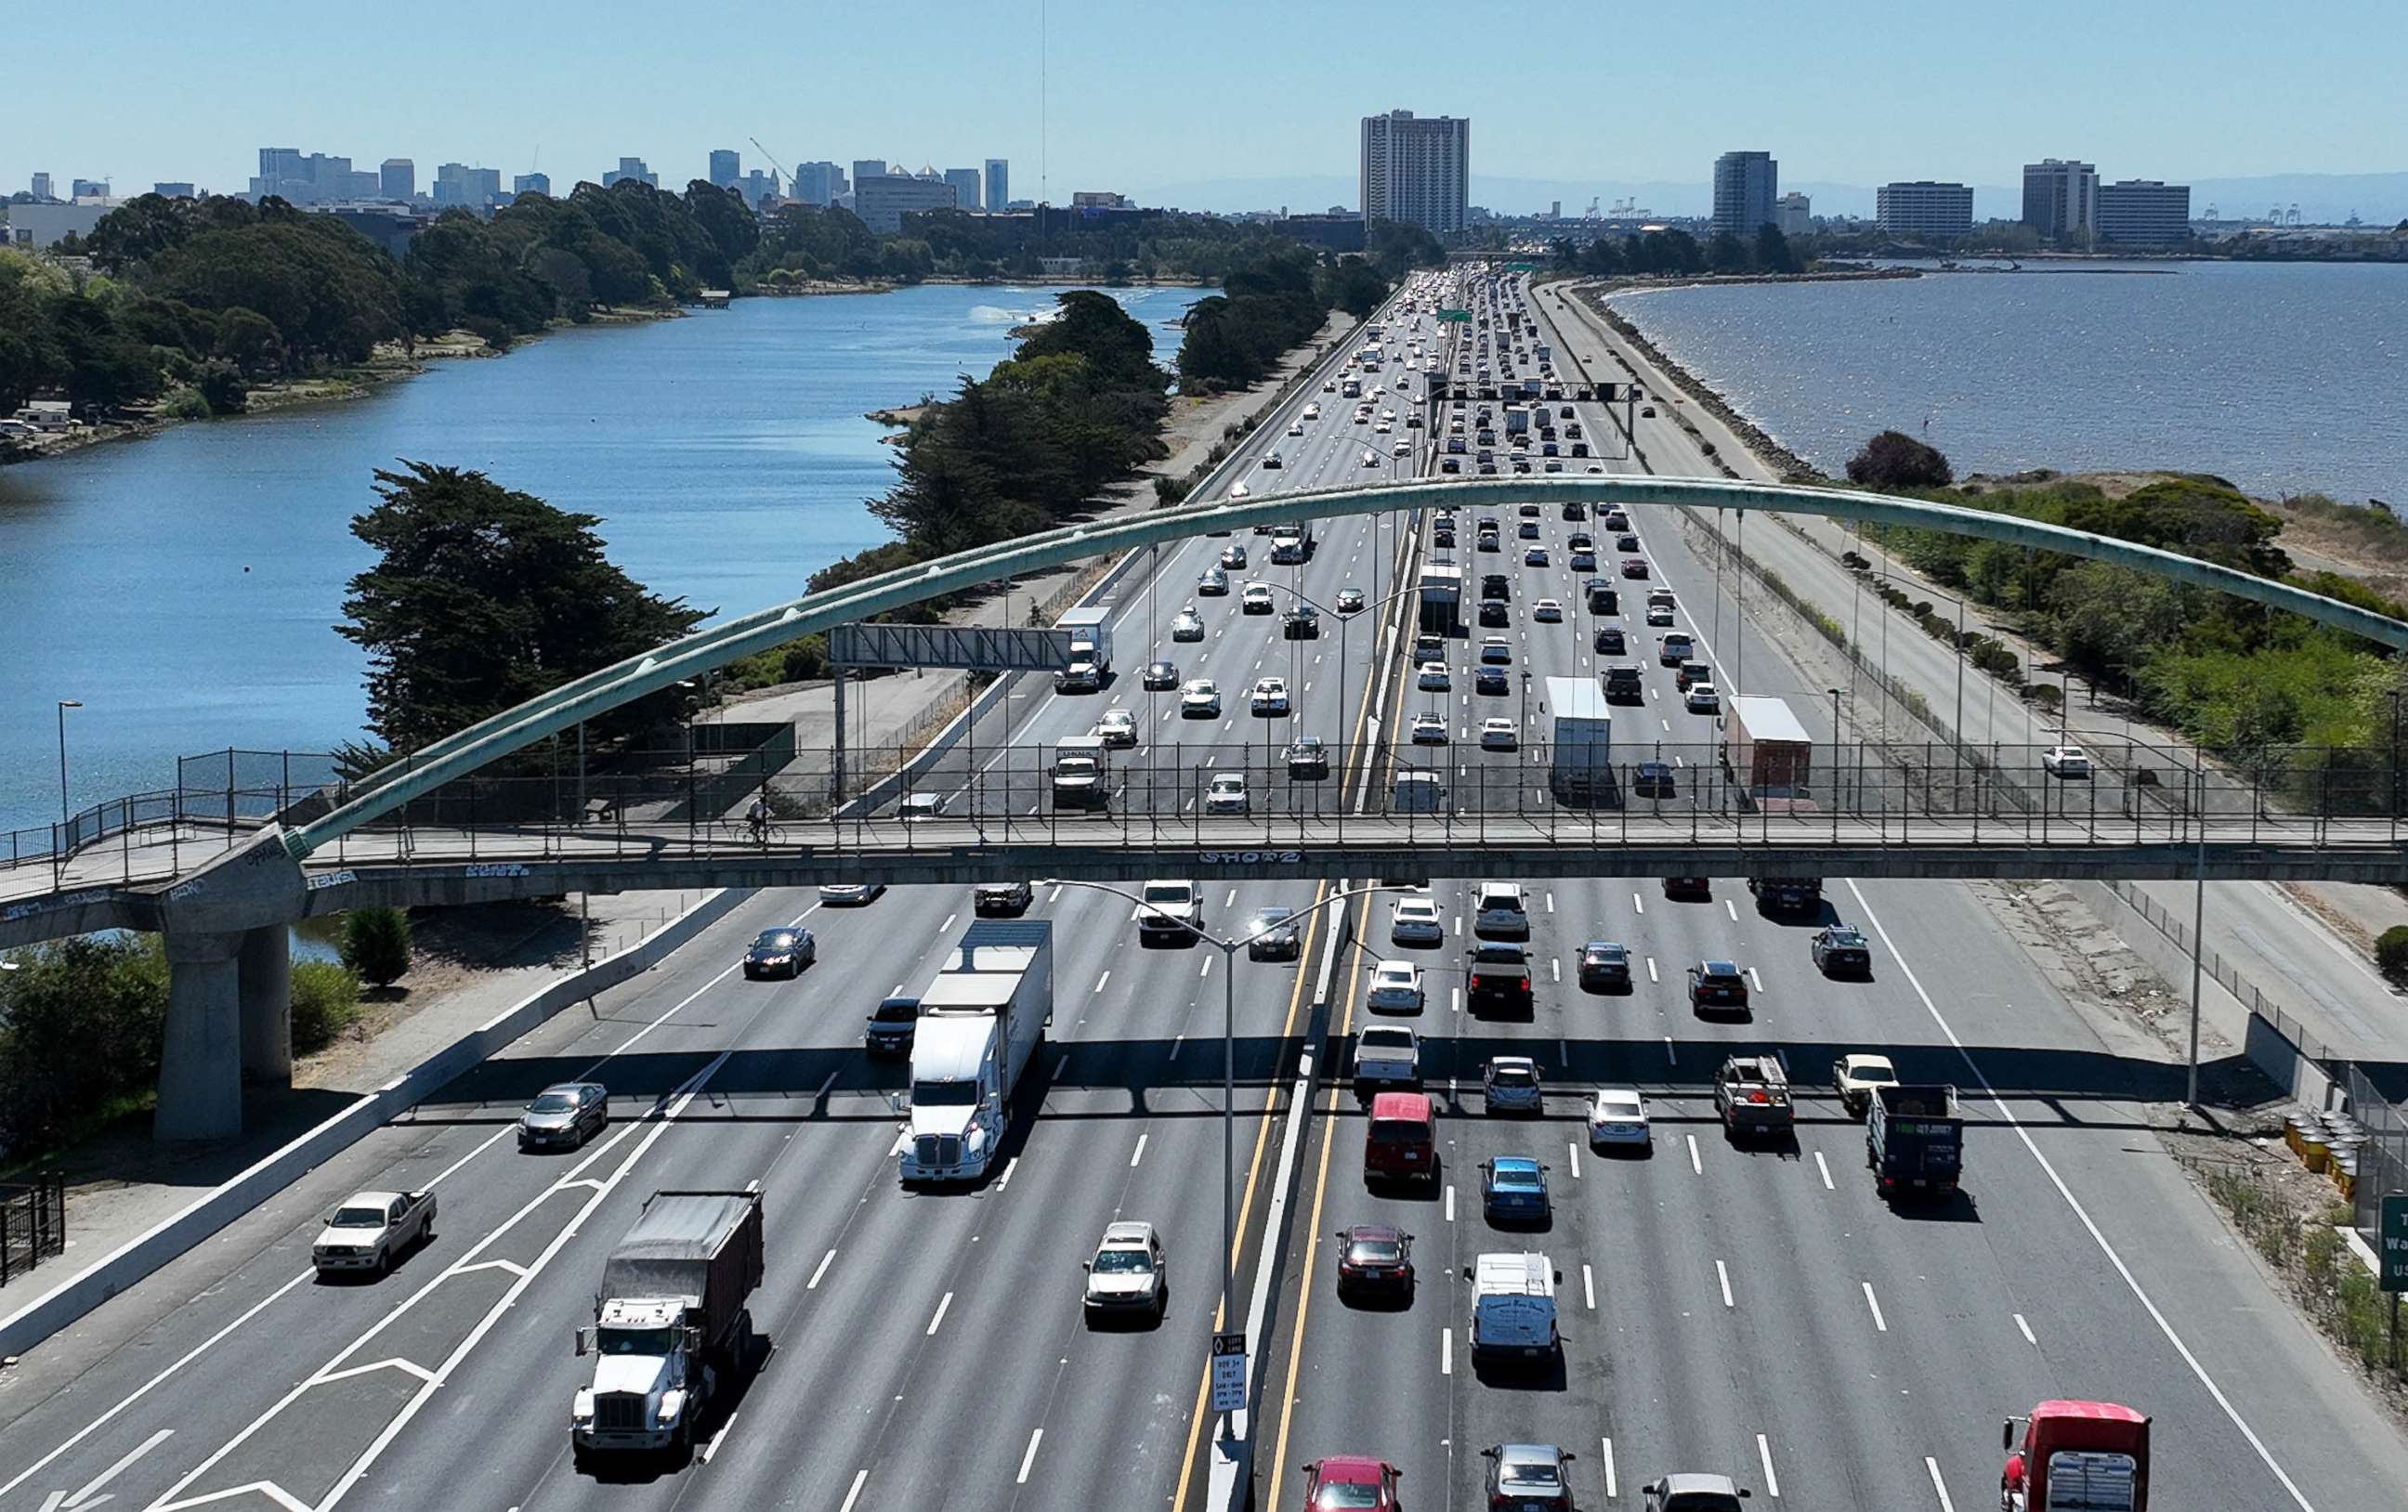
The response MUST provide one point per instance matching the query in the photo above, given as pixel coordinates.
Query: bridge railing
(216, 794)
(1158, 792)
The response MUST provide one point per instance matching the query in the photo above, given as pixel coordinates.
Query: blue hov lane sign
(1228, 1372)
(2391, 1244)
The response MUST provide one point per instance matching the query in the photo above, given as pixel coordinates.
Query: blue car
(1514, 1190)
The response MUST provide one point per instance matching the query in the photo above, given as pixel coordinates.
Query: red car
(1375, 1257)
(1351, 1483)
(1634, 567)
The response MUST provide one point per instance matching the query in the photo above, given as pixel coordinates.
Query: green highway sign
(1463, 315)
(2391, 1244)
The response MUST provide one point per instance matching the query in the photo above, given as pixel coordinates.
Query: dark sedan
(1493, 681)
(1604, 967)
(1655, 779)
(1307, 759)
(1842, 951)
(1160, 676)
(1375, 1257)
(1718, 984)
(781, 952)
(1610, 641)
(1275, 934)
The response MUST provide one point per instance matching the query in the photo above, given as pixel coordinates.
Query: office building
(867, 168)
(37, 226)
(42, 187)
(632, 168)
(301, 178)
(882, 200)
(91, 188)
(966, 187)
(1794, 213)
(457, 186)
(819, 183)
(758, 188)
(2143, 212)
(2061, 200)
(1923, 209)
(1089, 199)
(1746, 185)
(175, 189)
(726, 166)
(998, 184)
(531, 183)
(1418, 171)
(397, 179)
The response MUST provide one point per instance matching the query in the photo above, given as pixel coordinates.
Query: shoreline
(1775, 457)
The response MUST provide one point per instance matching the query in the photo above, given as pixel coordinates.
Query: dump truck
(1082, 773)
(669, 1321)
(1580, 768)
(1915, 1139)
(1751, 1095)
(1091, 649)
(2088, 1455)
(1768, 753)
(980, 1021)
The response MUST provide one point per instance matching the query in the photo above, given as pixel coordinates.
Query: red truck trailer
(2091, 1456)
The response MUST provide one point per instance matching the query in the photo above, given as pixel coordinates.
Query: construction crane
(1592, 206)
(773, 161)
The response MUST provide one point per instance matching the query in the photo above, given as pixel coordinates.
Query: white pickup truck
(371, 1229)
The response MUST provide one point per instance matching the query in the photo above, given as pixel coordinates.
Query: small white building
(37, 226)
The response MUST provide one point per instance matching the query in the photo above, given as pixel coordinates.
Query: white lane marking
(1450, 1201)
(943, 1302)
(1446, 1351)
(854, 1494)
(1650, 970)
(1061, 1065)
(1055, 896)
(947, 927)
(1731, 909)
(2025, 1329)
(1138, 1154)
(1671, 1051)
(819, 1270)
(1455, 994)
(1881, 1324)
(1035, 1436)
(720, 1437)
(1231, 901)
(1573, 1145)
(1721, 1276)
(1178, 1043)
(1764, 1453)
(1756, 979)
(88, 1496)
(1009, 1167)
(1825, 1167)
(1695, 1166)
(1551, 902)
(1102, 979)
(1207, 970)
(1556, 966)
(1588, 1287)
(1939, 1487)
(2008, 1116)
(1610, 1489)
(1639, 903)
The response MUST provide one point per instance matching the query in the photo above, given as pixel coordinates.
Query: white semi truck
(980, 1021)
(669, 1322)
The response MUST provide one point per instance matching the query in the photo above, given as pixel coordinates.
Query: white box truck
(1580, 759)
(980, 1021)
(1082, 773)
(1091, 649)
(669, 1321)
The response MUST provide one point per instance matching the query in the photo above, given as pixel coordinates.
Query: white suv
(1173, 910)
(1499, 911)
(1128, 1273)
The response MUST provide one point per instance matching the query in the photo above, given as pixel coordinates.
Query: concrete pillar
(200, 1065)
(265, 967)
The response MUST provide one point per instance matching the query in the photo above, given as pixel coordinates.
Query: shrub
(376, 944)
(325, 1002)
(1895, 460)
(2391, 954)
(184, 404)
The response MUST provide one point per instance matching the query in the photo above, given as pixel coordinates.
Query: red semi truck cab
(2091, 1456)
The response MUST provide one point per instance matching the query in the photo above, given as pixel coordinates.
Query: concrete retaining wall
(138, 1257)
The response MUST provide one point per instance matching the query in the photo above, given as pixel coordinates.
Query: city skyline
(674, 100)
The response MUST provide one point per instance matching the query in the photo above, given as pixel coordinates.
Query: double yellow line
(1270, 1116)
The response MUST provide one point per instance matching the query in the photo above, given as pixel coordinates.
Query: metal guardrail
(217, 792)
(32, 1224)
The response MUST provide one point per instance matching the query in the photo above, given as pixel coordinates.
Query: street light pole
(64, 705)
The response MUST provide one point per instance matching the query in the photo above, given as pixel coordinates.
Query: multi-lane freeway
(1750, 1311)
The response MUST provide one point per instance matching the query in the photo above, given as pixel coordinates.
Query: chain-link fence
(2382, 1159)
(219, 792)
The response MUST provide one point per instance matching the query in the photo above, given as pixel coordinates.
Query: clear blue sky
(1161, 92)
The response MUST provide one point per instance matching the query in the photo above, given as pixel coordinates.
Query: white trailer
(980, 1021)
(1580, 765)
(1091, 649)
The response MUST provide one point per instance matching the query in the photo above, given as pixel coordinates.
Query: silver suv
(1127, 1277)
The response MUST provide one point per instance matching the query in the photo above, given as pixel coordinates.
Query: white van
(1419, 792)
(1513, 1309)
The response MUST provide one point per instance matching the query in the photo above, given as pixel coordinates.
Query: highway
(1754, 1312)
(1760, 1312)
(926, 1350)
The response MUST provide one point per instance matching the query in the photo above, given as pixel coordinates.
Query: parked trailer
(980, 1021)
(669, 1321)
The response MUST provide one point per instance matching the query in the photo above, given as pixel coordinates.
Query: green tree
(1893, 459)
(80, 1027)
(325, 1002)
(1725, 253)
(376, 944)
(1772, 253)
(250, 342)
(482, 598)
(2391, 946)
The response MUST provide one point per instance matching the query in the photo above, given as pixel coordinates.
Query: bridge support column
(263, 970)
(200, 1065)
